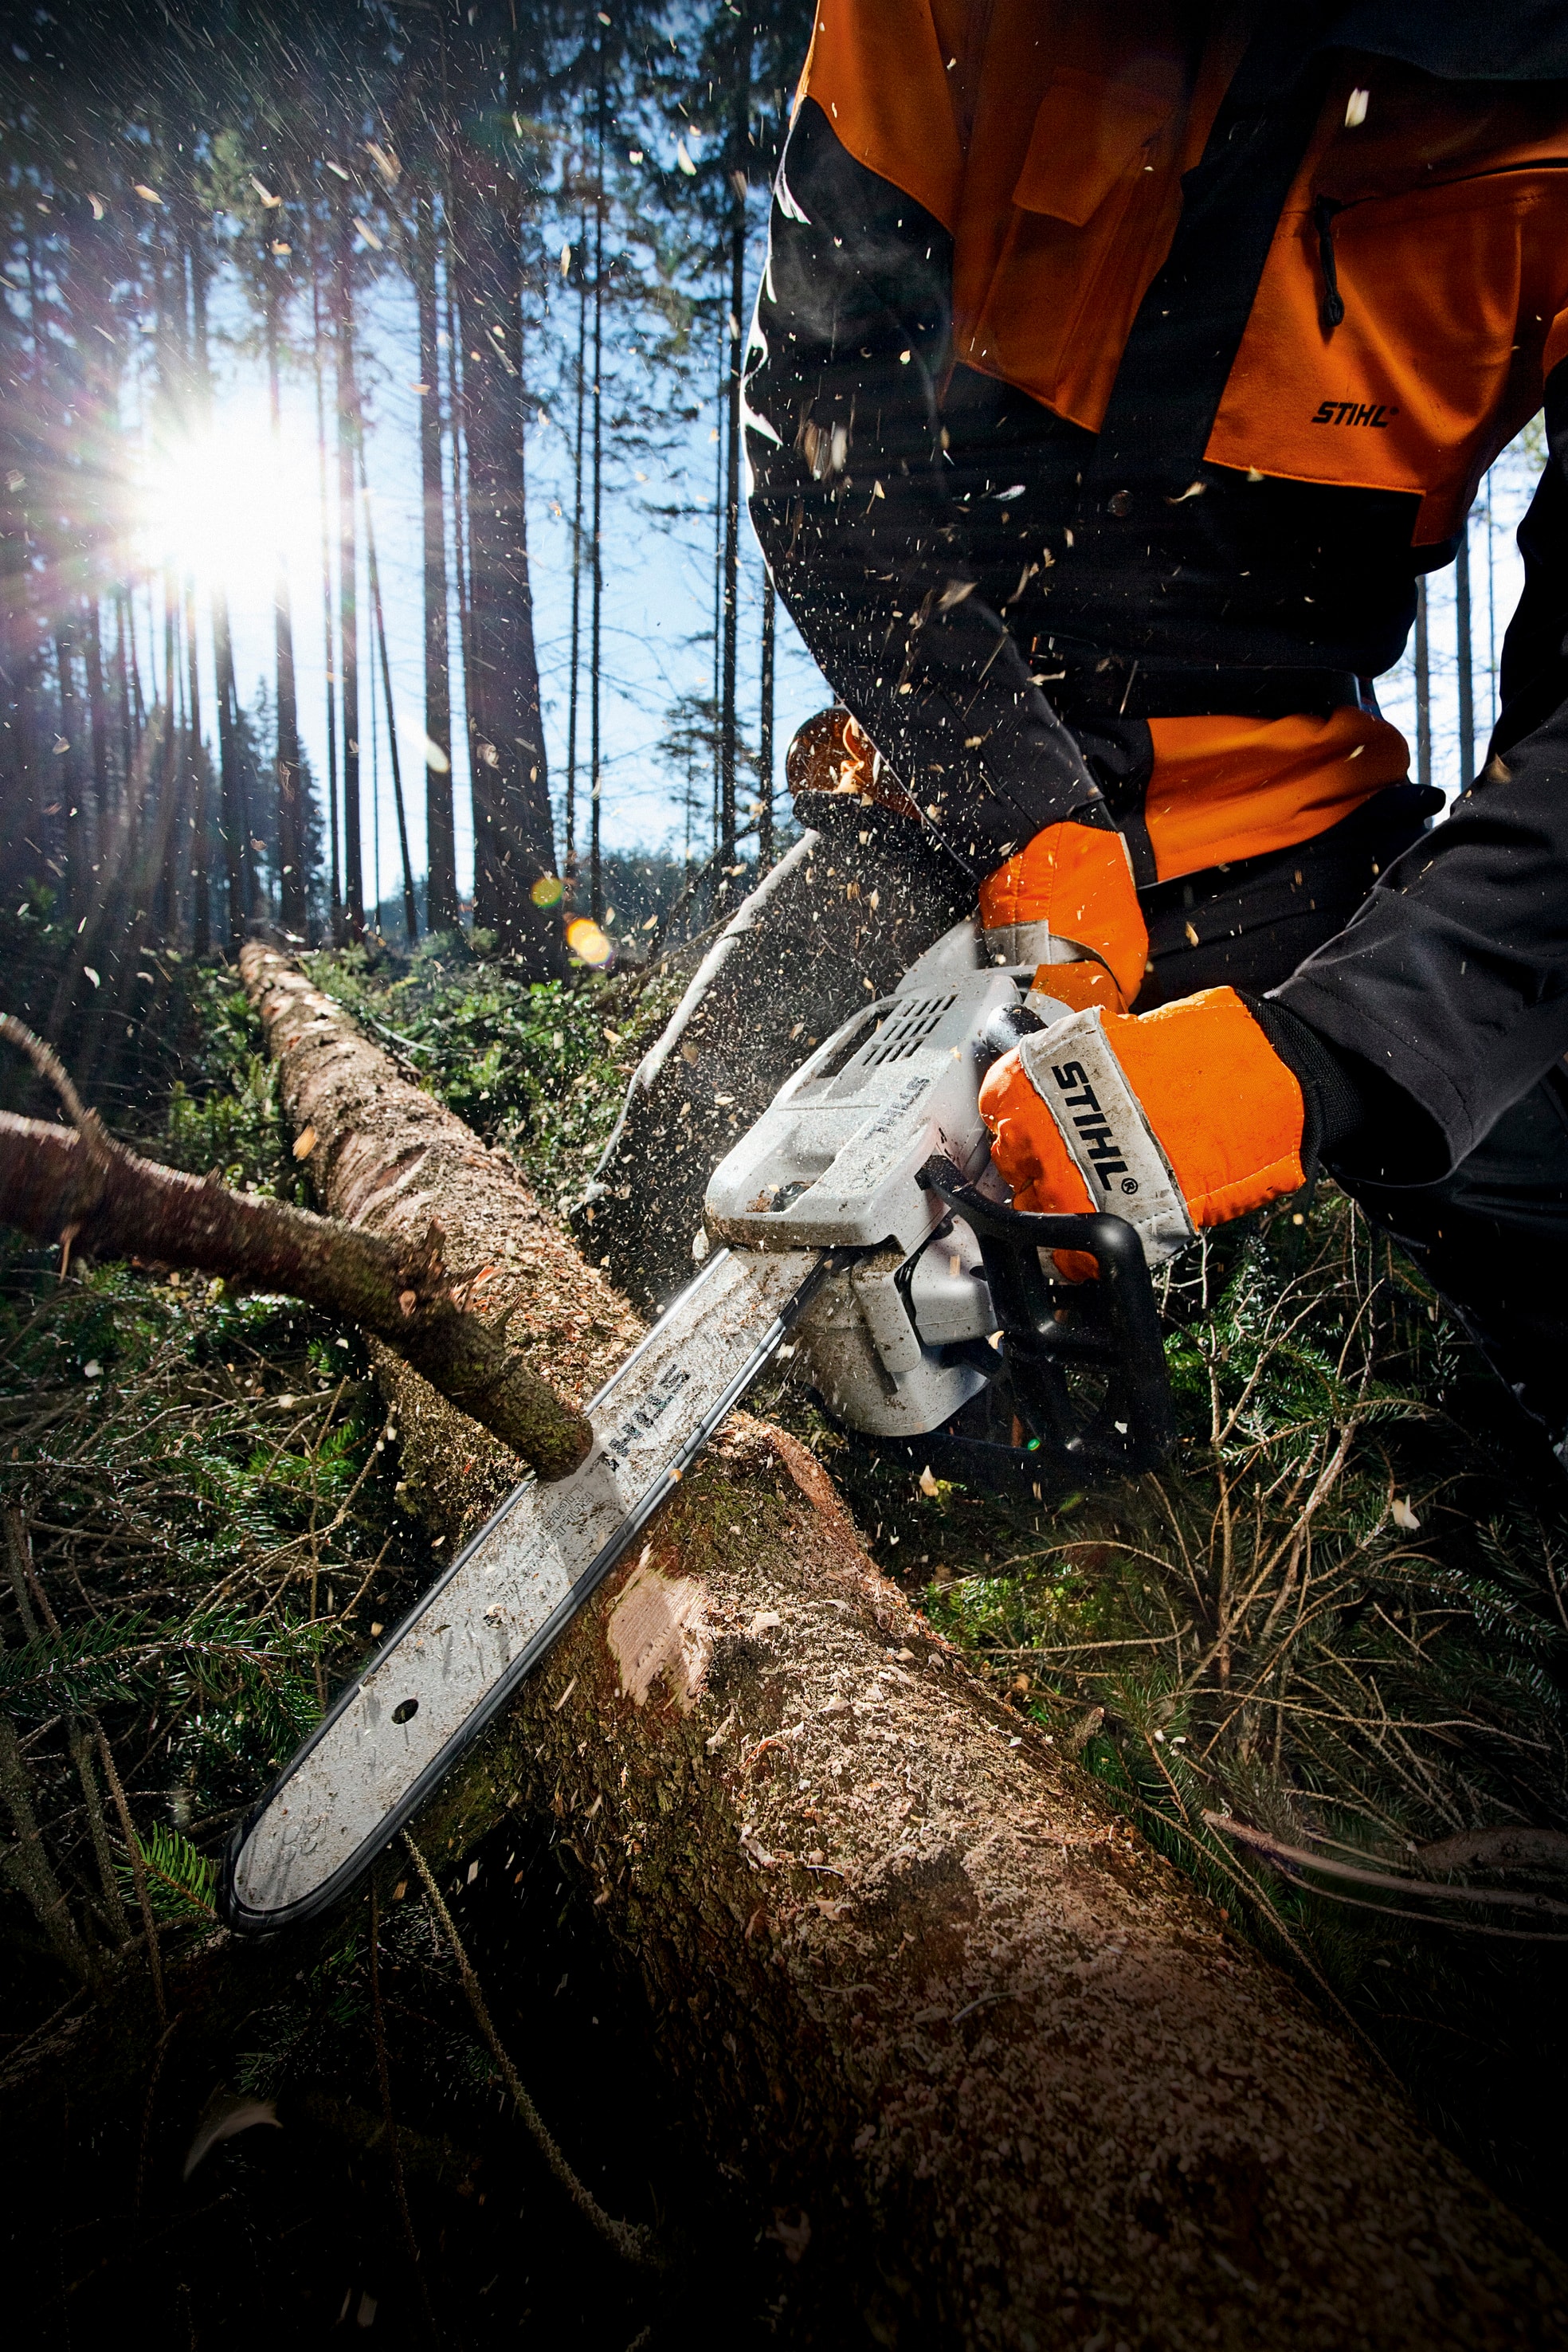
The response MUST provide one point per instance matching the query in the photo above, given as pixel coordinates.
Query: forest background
(372, 550)
(374, 561)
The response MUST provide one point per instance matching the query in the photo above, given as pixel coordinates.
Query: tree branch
(80, 1188)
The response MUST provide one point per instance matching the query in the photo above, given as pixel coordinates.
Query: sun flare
(217, 505)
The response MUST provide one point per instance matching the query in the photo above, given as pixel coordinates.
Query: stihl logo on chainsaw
(1103, 1152)
(652, 1408)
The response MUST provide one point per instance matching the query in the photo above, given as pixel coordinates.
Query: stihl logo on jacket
(1072, 1067)
(1353, 412)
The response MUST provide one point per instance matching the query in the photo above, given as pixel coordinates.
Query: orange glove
(833, 753)
(1176, 1119)
(1068, 905)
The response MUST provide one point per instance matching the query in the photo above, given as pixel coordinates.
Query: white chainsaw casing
(833, 1160)
(873, 1336)
(834, 1163)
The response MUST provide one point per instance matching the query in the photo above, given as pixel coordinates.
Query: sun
(218, 505)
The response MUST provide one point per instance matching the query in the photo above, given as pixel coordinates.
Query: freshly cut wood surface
(992, 2072)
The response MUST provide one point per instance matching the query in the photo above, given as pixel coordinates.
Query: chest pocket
(1433, 354)
(1091, 213)
(1088, 137)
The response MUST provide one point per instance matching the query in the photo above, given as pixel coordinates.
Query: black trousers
(1492, 1235)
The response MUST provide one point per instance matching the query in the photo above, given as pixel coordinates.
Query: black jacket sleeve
(865, 542)
(1452, 980)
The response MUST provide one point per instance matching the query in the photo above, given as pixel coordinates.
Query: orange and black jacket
(1118, 367)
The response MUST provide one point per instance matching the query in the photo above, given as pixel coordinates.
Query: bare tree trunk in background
(18, 627)
(410, 909)
(440, 838)
(348, 569)
(38, 540)
(456, 412)
(595, 547)
(719, 453)
(765, 726)
(513, 840)
(573, 687)
(128, 729)
(334, 897)
(234, 826)
(294, 883)
(67, 771)
(165, 900)
(99, 731)
(234, 819)
(196, 770)
(740, 159)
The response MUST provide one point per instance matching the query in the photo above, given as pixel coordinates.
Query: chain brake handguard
(1047, 1328)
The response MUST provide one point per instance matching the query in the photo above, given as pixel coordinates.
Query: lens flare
(587, 942)
(547, 891)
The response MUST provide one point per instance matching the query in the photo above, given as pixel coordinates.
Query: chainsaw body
(874, 1149)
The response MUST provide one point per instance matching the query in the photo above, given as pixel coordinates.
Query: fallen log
(996, 2073)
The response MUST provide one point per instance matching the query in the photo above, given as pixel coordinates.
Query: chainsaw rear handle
(1051, 1327)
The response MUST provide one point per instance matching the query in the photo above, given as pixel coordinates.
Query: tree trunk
(575, 659)
(196, 765)
(97, 727)
(335, 877)
(410, 910)
(740, 159)
(81, 1190)
(596, 558)
(69, 773)
(513, 842)
(440, 841)
(991, 2071)
(293, 892)
(348, 571)
(765, 729)
(233, 819)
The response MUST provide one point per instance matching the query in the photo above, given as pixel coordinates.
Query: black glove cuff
(1338, 1107)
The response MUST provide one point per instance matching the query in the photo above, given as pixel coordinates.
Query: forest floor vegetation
(1321, 1662)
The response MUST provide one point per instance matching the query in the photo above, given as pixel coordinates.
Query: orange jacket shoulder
(876, 70)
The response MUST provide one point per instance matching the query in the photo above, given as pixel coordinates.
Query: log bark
(993, 2073)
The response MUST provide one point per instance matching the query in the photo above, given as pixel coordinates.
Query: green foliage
(200, 1528)
(179, 1880)
(1337, 1617)
(224, 1116)
(541, 1067)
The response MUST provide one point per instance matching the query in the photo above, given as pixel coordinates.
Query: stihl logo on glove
(1091, 1125)
(1073, 1069)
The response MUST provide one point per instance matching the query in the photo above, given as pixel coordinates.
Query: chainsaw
(860, 1224)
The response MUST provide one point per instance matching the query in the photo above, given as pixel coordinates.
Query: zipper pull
(1333, 310)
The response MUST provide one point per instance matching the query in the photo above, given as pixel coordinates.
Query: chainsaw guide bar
(460, 1653)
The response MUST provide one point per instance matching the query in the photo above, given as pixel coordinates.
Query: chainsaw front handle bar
(1050, 1327)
